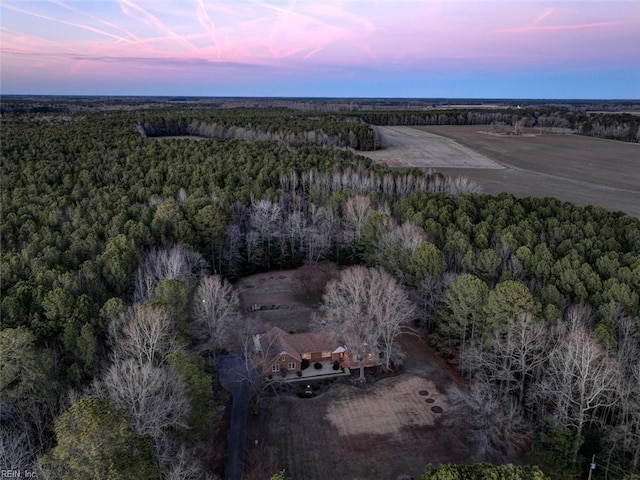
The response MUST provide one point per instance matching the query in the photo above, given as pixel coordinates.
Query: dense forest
(226, 117)
(109, 231)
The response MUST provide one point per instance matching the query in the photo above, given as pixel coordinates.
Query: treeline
(480, 471)
(276, 125)
(619, 126)
(87, 202)
(614, 126)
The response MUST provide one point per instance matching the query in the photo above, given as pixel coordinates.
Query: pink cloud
(309, 36)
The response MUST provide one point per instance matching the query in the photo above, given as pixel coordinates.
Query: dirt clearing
(280, 298)
(407, 146)
(393, 405)
(389, 428)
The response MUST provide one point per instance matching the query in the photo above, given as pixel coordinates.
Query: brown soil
(393, 404)
(578, 169)
(418, 148)
(280, 288)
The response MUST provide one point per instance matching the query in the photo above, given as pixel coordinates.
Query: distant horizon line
(178, 97)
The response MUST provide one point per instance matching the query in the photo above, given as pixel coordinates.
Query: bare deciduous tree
(495, 429)
(146, 333)
(215, 307)
(429, 296)
(230, 257)
(155, 396)
(17, 449)
(512, 361)
(357, 211)
(167, 263)
(265, 227)
(395, 248)
(579, 316)
(628, 388)
(365, 307)
(580, 381)
(184, 466)
(318, 232)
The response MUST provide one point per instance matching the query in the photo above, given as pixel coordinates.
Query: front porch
(313, 373)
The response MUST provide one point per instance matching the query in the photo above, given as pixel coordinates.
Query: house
(280, 352)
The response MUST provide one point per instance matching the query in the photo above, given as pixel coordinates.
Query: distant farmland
(406, 146)
(582, 170)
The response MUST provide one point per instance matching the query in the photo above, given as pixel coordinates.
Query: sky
(328, 48)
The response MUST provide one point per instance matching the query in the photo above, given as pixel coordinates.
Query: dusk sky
(328, 48)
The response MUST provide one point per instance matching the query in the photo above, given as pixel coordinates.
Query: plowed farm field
(582, 170)
(406, 146)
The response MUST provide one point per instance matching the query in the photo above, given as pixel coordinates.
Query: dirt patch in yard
(393, 404)
(282, 289)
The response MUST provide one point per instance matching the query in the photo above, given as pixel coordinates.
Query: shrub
(304, 364)
(336, 365)
(317, 366)
(299, 373)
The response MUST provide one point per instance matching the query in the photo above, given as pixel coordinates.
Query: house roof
(313, 342)
(277, 342)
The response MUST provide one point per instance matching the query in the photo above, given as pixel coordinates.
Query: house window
(357, 358)
(275, 367)
(306, 356)
(326, 354)
(292, 365)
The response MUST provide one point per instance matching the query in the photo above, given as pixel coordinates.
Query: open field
(406, 146)
(282, 288)
(582, 170)
(394, 403)
(621, 112)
